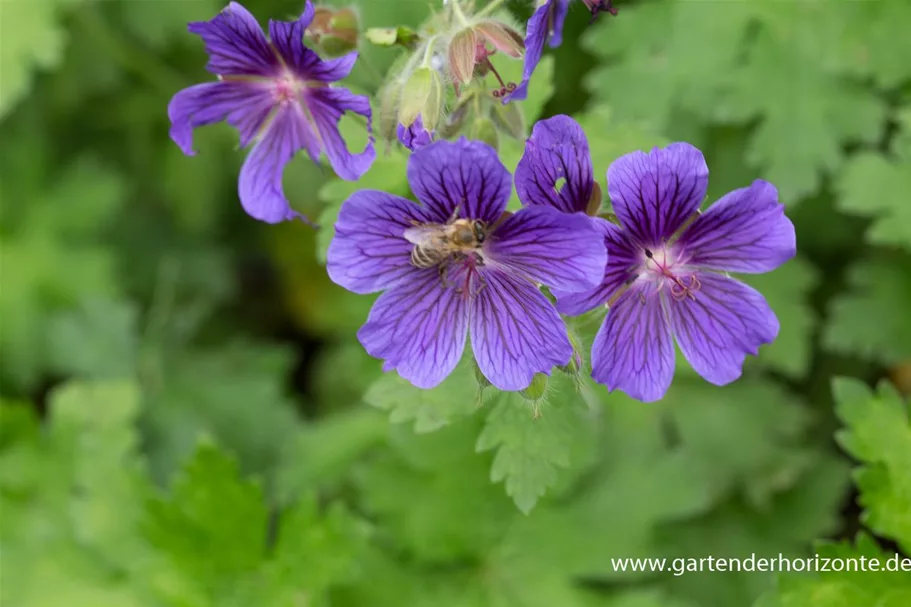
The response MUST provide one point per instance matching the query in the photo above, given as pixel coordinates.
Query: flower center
(667, 268)
(286, 89)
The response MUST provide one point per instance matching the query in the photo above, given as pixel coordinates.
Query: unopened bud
(502, 37)
(574, 366)
(422, 94)
(335, 31)
(509, 119)
(484, 129)
(536, 390)
(462, 55)
(483, 382)
(392, 36)
(594, 203)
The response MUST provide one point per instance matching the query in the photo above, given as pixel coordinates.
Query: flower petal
(327, 106)
(369, 252)
(619, 272)
(245, 105)
(543, 245)
(288, 39)
(556, 169)
(460, 176)
(515, 331)
(745, 231)
(535, 37)
(561, 7)
(726, 321)
(236, 44)
(654, 194)
(634, 350)
(260, 184)
(418, 327)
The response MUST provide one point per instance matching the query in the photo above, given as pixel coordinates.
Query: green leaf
(98, 340)
(796, 141)
(850, 587)
(459, 395)
(878, 433)
(59, 229)
(212, 524)
(530, 446)
(30, 40)
(72, 497)
(873, 185)
(453, 513)
(865, 321)
(748, 434)
(236, 394)
(787, 291)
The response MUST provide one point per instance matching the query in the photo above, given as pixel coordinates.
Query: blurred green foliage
(188, 419)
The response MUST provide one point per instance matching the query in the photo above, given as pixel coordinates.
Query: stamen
(505, 88)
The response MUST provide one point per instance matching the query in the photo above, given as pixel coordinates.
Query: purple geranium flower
(546, 26)
(276, 92)
(415, 136)
(666, 272)
(419, 324)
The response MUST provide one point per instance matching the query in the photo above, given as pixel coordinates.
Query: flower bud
(484, 129)
(536, 390)
(509, 119)
(462, 54)
(575, 364)
(502, 37)
(335, 31)
(594, 203)
(422, 94)
(392, 36)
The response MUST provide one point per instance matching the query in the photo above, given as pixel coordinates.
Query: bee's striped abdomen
(425, 258)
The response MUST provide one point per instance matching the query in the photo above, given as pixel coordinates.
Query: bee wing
(424, 235)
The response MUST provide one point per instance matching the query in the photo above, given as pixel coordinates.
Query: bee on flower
(454, 263)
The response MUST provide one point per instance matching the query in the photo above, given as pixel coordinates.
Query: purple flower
(490, 287)
(546, 26)
(667, 264)
(415, 136)
(276, 93)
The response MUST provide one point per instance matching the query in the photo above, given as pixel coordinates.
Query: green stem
(487, 10)
(428, 51)
(457, 11)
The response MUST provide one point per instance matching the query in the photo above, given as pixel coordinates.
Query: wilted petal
(460, 175)
(414, 137)
(515, 331)
(327, 106)
(369, 252)
(245, 105)
(418, 327)
(726, 321)
(622, 263)
(745, 231)
(236, 44)
(260, 184)
(654, 194)
(634, 351)
(549, 247)
(288, 38)
(556, 169)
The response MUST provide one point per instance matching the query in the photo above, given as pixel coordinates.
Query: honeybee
(435, 243)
